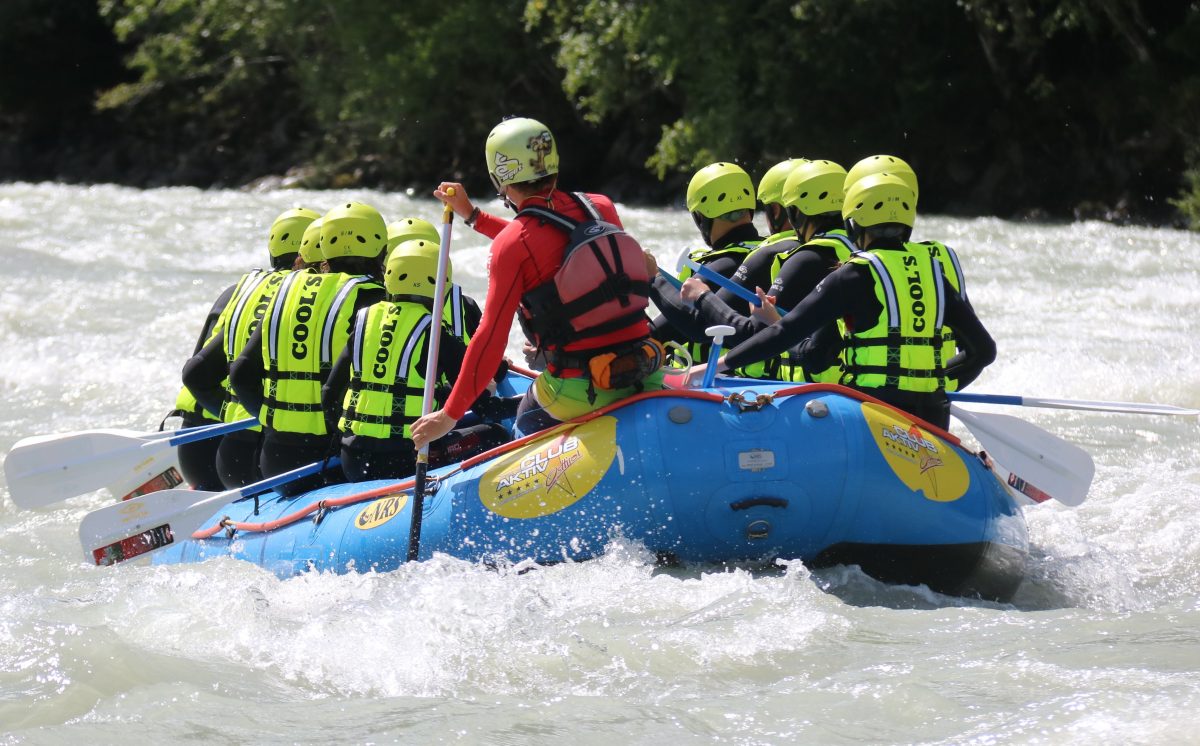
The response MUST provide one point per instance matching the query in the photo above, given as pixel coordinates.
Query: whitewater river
(104, 293)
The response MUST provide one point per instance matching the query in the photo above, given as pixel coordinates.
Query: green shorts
(567, 398)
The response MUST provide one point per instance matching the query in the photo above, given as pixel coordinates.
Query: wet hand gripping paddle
(141, 526)
(46, 469)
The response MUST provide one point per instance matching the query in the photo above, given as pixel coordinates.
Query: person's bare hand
(693, 288)
(458, 201)
(767, 312)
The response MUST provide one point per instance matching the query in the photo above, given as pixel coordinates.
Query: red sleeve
(487, 346)
(489, 225)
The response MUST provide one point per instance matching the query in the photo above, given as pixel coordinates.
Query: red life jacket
(601, 286)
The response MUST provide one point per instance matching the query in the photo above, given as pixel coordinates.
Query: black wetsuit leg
(933, 407)
(531, 417)
(284, 452)
(237, 459)
(360, 464)
(198, 460)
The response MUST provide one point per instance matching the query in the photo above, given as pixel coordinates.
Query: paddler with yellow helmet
(755, 270)
(720, 199)
(374, 391)
(951, 267)
(279, 374)
(462, 311)
(895, 302)
(229, 461)
(525, 258)
(812, 198)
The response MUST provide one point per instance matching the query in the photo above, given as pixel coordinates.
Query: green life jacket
(790, 369)
(904, 348)
(307, 328)
(953, 272)
(246, 314)
(185, 402)
(386, 386)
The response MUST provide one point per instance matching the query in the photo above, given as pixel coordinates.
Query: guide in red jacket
(597, 345)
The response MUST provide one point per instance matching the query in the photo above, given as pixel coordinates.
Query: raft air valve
(758, 530)
(816, 408)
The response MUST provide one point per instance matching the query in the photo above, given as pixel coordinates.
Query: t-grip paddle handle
(718, 334)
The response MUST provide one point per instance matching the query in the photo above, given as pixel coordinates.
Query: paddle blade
(138, 527)
(1037, 463)
(49, 468)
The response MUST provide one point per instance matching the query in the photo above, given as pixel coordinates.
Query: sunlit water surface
(105, 290)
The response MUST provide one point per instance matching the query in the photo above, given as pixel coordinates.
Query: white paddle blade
(49, 468)
(1037, 463)
(138, 527)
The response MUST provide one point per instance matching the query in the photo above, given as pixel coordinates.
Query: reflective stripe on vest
(248, 311)
(385, 393)
(904, 348)
(953, 272)
(307, 330)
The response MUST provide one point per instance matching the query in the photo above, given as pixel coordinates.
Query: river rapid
(106, 290)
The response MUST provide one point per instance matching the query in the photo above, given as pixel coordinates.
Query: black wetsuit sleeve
(204, 372)
(798, 277)
(977, 349)
(678, 322)
(213, 314)
(472, 313)
(713, 310)
(755, 271)
(845, 292)
(246, 374)
(333, 390)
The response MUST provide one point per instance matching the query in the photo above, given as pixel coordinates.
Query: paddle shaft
(1077, 404)
(728, 284)
(431, 371)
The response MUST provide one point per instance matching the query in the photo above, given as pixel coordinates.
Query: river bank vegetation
(1042, 109)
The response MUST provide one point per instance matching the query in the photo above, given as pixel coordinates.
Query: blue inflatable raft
(741, 472)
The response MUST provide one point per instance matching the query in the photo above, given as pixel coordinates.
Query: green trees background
(1025, 108)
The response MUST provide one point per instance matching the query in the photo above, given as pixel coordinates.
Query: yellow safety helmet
(520, 150)
(410, 228)
(719, 189)
(879, 199)
(883, 164)
(288, 230)
(310, 244)
(412, 269)
(770, 186)
(815, 188)
(353, 229)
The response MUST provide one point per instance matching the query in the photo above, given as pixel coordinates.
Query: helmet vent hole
(431, 280)
(333, 240)
(805, 194)
(404, 276)
(822, 195)
(361, 239)
(878, 205)
(906, 207)
(284, 237)
(721, 197)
